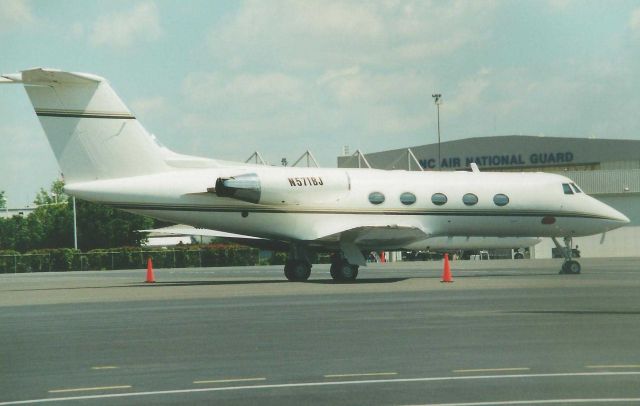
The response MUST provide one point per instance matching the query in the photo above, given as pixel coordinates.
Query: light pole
(75, 225)
(436, 100)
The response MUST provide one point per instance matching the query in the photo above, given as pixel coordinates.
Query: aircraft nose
(615, 215)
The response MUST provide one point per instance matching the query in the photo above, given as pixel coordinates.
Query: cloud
(260, 91)
(559, 5)
(14, 13)
(149, 106)
(292, 34)
(634, 21)
(121, 30)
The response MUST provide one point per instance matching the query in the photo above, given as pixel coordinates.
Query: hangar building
(608, 170)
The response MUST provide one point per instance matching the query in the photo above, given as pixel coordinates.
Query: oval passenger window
(376, 198)
(438, 199)
(407, 198)
(501, 199)
(469, 199)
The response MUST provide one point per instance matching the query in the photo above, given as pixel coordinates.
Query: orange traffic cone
(446, 273)
(150, 278)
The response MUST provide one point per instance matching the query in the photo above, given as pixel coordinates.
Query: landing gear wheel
(297, 271)
(343, 271)
(572, 267)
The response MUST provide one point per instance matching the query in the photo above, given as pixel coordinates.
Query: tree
(50, 225)
(3, 200)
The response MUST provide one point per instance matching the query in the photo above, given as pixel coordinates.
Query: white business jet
(107, 156)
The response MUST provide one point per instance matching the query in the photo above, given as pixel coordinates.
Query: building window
(407, 198)
(567, 189)
(438, 199)
(501, 199)
(376, 198)
(469, 199)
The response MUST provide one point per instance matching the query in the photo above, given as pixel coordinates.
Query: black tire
(573, 267)
(563, 270)
(297, 271)
(343, 271)
(335, 271)
(349, 272)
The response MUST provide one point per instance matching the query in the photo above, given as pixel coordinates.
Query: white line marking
(535, 402)
(364, 374)
(104, 367)
(612, 366)
(491, 370)
(324, 383)
(89, 389)
(232, 380)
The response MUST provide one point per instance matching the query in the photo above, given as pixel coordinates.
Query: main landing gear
(298, 267)
(569, 266)
(342, 270)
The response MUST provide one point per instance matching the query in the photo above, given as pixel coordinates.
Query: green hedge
(62, 260)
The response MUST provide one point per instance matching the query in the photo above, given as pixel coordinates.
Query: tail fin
(92, 133)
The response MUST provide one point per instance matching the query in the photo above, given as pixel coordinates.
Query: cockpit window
(567, 189)
(576, 188)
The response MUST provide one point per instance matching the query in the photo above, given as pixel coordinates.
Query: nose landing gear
(569, 266)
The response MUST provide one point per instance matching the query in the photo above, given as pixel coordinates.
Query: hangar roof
(508, 152)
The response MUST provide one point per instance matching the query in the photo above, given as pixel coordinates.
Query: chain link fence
(62, 260)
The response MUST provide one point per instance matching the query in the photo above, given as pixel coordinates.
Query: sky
(226, 78)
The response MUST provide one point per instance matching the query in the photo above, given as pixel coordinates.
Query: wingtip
(11, 78)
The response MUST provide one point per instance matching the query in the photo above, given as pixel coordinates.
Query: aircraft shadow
(258, 281)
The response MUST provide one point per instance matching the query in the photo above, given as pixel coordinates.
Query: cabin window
(438, 199)
(501, 199)
(469, 199)
(376, 198)
(576, 188)
(407, 198)
(567, 189)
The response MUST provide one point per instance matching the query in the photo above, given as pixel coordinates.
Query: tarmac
(504, 332)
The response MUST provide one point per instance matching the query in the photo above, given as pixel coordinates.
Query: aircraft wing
(378, 236)
(353, 240)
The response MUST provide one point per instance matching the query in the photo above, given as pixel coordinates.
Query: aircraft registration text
(306, 181)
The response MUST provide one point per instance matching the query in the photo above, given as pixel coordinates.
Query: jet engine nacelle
(285, 187)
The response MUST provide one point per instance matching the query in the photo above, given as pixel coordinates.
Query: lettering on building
(502, 160)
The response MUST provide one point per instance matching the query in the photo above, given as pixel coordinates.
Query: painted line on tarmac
(324, 383)
(612, 366)
(97, 368)
(90, 389)
(491, 370)
(535, 402)
(362, 374)
(231, 380)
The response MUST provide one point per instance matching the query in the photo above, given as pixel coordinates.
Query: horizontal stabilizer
(188, 230)
(46, 77)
